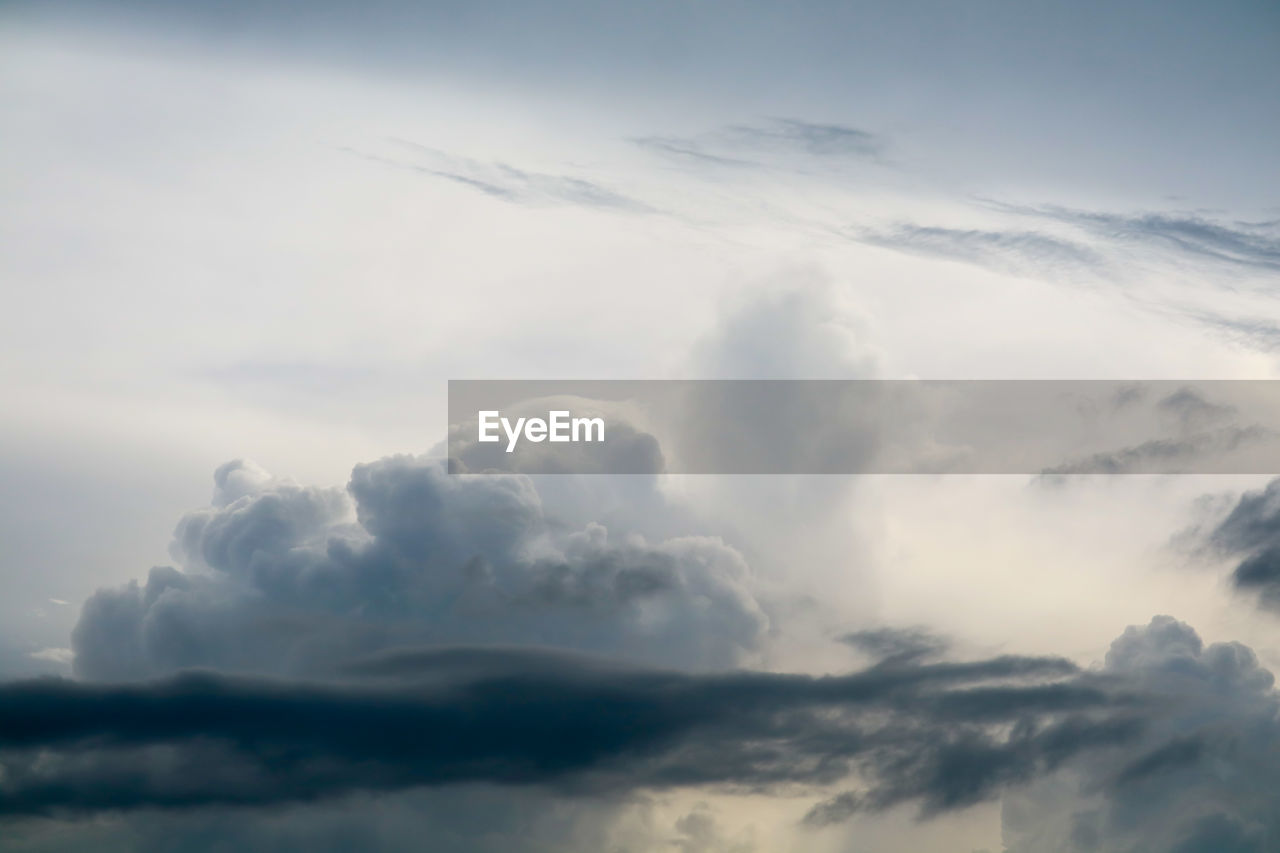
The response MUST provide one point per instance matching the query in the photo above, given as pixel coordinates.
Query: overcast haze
(243, 605)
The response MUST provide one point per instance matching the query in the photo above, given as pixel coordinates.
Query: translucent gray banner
(1047, 427)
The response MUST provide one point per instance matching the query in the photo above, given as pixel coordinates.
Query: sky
(244, 245)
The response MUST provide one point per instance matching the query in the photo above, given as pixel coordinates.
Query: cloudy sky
(244, 245)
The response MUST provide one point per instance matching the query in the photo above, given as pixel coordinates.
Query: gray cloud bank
(915, 732)
(1171, 744)
(425, 632)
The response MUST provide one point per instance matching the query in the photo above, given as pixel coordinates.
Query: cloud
(942, 735)
(1249, 331)
(509, 183)
(774, 143)
(896, 645)
(1171, 743)
(1192, 409)
(798, 331)
(817, 139)
(1252, 530)
(53, 655)
(688, 149)
(1117, 249)
(1200, 777)
(1166, 455)
(1201, 431)
(1233, 245)
(281, 578)
(1018, 252)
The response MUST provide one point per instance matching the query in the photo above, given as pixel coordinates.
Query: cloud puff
(1201, 777)
(283, 578)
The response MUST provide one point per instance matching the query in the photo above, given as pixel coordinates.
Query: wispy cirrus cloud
(774, 143)
(506, 182)
(1236, 244)
(1012, 251)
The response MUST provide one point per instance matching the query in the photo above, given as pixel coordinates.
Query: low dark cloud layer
(935, 734)
(1171, 743)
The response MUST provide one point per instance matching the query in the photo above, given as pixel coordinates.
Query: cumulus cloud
(283, 578)
(1200, 777)
(800, 329)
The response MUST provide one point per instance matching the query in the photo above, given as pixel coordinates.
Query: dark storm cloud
(1201, 777)
(1254, 522)
(1171, 742)
(1200, 770)
(1252, 530)
(508, 183)
(933, 734)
